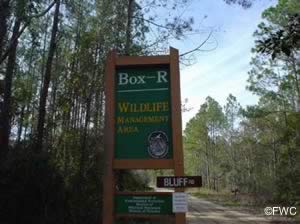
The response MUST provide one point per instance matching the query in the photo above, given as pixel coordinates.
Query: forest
(256, 149)
(52, 60)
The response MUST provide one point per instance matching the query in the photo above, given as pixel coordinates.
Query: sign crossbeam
(143, 164)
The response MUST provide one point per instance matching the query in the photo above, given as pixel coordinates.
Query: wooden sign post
(142, 131)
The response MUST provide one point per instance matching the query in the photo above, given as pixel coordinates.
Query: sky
(224, 70)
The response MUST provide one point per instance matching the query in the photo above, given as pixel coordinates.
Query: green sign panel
(144, 204)
(143, 116)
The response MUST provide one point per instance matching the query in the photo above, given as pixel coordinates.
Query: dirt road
(202, 211)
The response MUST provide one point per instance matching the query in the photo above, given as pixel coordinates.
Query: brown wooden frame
(143, 164)
(143, 60)
(176, 124)
(143, 193)
(109, 140)
(109, 133)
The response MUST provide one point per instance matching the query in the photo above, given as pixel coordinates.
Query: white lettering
(161, 76)
(123, 78)
(133, 80)
(179, 181)
(141, 79)
(275, 210)
(166, 182)
(185, 180)
(283, 210)
(295, 211)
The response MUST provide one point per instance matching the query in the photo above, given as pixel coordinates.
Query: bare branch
(5, 55)
(198, 47)
(45, 11)
(151, 22)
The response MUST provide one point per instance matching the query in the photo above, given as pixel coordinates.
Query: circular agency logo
(158, 144)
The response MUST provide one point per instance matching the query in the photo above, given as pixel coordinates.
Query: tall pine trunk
(4, 14)
(6, 114)
(47, 78)
(129, 27)
(21, 121)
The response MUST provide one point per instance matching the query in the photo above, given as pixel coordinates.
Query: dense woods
(256, 149)
(52, 56)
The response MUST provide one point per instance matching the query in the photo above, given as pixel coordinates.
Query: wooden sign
(143, 113)
(179, 181)
(142, 131)
(155, 204)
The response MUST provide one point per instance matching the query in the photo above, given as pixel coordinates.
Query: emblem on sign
(158, 144)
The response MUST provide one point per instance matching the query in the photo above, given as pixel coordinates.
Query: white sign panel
(179, 202)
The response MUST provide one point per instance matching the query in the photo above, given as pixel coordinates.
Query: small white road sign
(179, 202)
